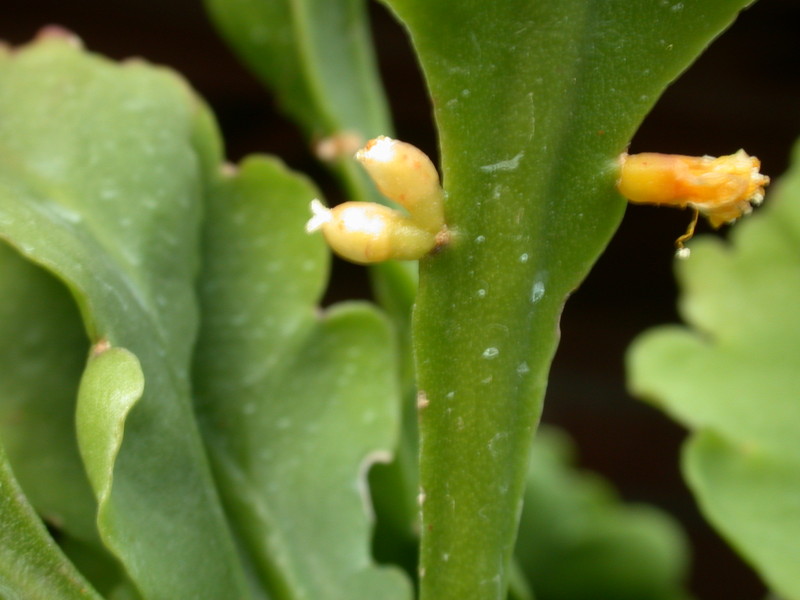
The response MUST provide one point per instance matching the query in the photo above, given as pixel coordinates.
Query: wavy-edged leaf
(534, 101)
(101, 178)
(733, 378)
(295, 405)
(31, 565)
(43, 350)
(316, 56)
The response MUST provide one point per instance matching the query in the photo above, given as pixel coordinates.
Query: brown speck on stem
(442, 240)
(337, 146)
(422, 400)
(102, 345)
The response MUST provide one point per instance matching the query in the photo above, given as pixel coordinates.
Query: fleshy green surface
(733, 377)
(101, 183)
(578, 541)
(111, 385)
(534, 101)
(31, 565)
(295, 404)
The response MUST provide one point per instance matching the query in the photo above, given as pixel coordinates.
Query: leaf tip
(61, 34)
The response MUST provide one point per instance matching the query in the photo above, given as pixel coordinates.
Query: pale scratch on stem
(504, 165)
(533, 117)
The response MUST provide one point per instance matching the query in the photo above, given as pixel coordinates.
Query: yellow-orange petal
(722, 189)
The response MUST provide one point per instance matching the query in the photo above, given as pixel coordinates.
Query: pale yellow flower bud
(365, 232)
(405, 174)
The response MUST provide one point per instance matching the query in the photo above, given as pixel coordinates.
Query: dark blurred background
(744, 92)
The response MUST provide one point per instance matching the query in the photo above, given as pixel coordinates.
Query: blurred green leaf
(518, 587)
(43, 351)
(733, 378)
(315, 55)
(577, 540)
(534, 102)
(295, 404)
(31, 565)
(101, 179)
(753, 498)
(97, 565)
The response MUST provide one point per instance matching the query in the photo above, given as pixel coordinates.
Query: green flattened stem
(534, 101)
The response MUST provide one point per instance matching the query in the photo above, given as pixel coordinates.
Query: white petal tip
(380, 149)
(683, 253)
(321, 215)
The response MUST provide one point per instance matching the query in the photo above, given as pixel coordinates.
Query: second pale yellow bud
(364, 232)
(405, 174)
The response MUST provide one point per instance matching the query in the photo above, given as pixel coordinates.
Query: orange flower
(721, 189)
